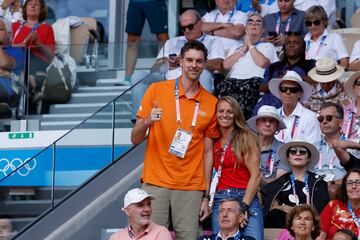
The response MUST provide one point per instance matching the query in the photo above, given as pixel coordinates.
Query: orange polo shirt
(162, 168)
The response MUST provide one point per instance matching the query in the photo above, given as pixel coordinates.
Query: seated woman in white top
(319, 42)
(247, 66)
(355, 57)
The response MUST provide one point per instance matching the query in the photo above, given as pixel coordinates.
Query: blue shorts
(154, 11)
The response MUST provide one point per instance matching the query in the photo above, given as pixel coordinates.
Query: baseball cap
(136, 195)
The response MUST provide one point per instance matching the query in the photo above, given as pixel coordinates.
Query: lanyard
(177, 104)
(293, 129)
(21, 26)
(230, 16)
(292, 178)
(202, 38)
(352, 115)
(222, 157)
(269, 164)
(308, 44)
(354, 218)
(278, 20)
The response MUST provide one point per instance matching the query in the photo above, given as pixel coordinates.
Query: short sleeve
(325, 217)
(240, 18)
(212, 131)
(340, 47)
(206, 17)
(217, 49)
(269, 51)
(355, 54)
(147, 102)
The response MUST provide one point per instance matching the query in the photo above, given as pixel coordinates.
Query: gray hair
(250, 14)
(230, 199)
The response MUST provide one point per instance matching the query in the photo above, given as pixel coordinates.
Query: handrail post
(113, 132)
(53, 175)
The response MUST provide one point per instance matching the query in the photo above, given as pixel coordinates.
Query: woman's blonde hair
(243, 138)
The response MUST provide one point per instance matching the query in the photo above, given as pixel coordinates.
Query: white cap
(136, 195)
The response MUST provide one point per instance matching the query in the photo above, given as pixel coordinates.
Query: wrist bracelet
(206, 196)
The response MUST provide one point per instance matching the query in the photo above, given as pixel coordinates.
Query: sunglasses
(291, 89)
(254, 22)
(328, 118)
(289, 33)
(357, 82)
(190, 26)
(300, 150)
(351, 183)
(315, 22)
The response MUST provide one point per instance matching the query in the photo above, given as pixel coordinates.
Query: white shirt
(234, 16)
(9, 15)
(307, 127)
(355, 54)
(174, 45)
(246, 68)
(332, 47)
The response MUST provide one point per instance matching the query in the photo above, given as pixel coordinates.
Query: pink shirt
(152, 232)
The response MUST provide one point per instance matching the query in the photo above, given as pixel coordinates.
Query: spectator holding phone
(287, 19)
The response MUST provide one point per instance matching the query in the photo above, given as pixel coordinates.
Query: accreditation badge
(180, 143)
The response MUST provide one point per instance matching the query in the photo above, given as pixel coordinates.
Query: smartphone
(273, 34)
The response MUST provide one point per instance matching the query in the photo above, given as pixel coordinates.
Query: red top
(230, 177)
(45, 36)
(336, 216)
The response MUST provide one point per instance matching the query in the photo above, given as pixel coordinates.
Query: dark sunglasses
(291, 89)
(289, 33)
(315, 22)
(254, 22)
(328, 118)
(300, 150)
(357, 82)
(190, 26)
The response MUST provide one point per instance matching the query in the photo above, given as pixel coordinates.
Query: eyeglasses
(328, 118)
(300, 150)
(357, 82)
(350, 183)
(291, 89)
(190, 26)
(289, 33)
(254, 22)
(316, 22)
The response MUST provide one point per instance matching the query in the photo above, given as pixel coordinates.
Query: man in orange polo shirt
(180, 116)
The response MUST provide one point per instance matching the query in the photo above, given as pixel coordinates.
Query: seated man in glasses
(330, 118)
(225, 22)
(167, 65)
(327, 88)
(287, 19)
(300, 121)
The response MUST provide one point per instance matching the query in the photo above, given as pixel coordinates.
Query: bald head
(191, 24)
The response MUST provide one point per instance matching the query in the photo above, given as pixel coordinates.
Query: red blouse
(231, 177)
(336, 216)
(45, 36)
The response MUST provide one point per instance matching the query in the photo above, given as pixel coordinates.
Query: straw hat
(325, 71)
(349, 84)
(294, 77)
(266, 111)
(299, 142)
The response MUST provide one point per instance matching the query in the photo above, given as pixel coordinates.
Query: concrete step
(97, 97)
(19, 223)
(24, 208)
(80, 116)
(112, 82)
(121, 106)
(93, 123)
(118, 89)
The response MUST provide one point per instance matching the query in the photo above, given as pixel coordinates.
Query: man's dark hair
(338, 107)
(197, 45)
(348, 232)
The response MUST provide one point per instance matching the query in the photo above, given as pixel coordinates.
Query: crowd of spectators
(280, 146)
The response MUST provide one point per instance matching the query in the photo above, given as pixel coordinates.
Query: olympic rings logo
(7, 166)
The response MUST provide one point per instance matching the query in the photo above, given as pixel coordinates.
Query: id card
(180, 143)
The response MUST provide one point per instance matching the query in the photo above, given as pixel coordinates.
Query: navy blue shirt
(295, 23)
